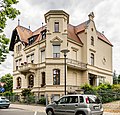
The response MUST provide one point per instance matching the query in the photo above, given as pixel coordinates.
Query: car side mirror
(56, 102)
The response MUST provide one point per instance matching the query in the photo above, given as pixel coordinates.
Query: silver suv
(76, 105)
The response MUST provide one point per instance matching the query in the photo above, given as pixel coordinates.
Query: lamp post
(65, 51)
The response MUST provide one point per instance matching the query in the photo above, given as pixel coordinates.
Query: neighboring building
(38, 62)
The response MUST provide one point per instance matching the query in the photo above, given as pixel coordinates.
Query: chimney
(91, 16)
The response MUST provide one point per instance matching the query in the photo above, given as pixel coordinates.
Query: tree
(8, 80)
(6, 12)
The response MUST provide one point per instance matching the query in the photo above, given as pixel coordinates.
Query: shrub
(42, 101)
(106, 92)
(30, 99)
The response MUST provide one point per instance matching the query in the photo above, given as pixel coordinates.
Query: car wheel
(7, 106)
(80, 113)
(50, 112)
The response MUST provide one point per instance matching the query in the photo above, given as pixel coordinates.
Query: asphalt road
(24, 111)
(17, 111)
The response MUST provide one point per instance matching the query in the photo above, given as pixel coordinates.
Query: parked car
(78, 104)
(4, 103)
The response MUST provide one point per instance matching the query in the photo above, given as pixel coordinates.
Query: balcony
(76, 64)
(27, 68)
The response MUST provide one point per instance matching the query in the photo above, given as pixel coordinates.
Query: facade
(38, 62)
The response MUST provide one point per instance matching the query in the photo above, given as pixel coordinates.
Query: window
(18, 48)
(43, 33)
(43, 79)
(18, 83)
(27, 58)
(32, 58)
(56, 77)
(92, 59)
(74, 55)
(73, 99)
(81, 99)
(43, 56)
(92, 40)
(56, 26)
(31, 40)
(18, 63)
(63, 100)
(101, 80)
(30, 81)
(56, 51)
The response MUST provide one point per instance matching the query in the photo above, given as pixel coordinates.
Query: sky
(107, 20)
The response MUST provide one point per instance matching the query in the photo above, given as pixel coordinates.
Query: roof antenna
(18, 22)
(102, 32)
(42, 25)
(29, 27)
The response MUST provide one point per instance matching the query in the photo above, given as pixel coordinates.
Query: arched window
(30, 81)
(56, 77)
(18, 83)
(92, 59)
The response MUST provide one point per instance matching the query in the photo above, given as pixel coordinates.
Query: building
(39, 63)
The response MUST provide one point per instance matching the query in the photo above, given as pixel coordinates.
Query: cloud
(106, 19)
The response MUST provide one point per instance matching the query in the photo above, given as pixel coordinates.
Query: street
(19, 111)
(16, 109)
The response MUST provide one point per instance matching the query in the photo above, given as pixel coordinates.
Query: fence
(106, 95)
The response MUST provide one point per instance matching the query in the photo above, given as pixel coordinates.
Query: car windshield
(94, 99)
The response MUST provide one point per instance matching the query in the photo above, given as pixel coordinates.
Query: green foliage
(88, 89)
(8, 80)
(30, 99)
(106, 92)
(42, 101)
(26, 92)
(3, 47)
(116, 87)
(104, 86)
(6, 12)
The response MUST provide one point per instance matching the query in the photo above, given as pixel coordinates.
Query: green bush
(106, 92)
(42, 101)
(30, 99)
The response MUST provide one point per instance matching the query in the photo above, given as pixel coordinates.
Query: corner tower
(56, 21)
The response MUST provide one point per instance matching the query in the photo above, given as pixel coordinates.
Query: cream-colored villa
(38, 62)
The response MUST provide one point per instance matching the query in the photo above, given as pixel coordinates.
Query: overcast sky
(107, 19)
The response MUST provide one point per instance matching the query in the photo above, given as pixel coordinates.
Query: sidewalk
(29, 107)
(112, 107)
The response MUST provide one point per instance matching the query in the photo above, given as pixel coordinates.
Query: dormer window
(56, 26)
(31, 40)
(43, 33)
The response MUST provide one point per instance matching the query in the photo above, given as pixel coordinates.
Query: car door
(60, 107)
(72, 105)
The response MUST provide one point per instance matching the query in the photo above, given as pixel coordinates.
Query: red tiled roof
(39, 30)
(81, 27)
(72, 34)
(103, 38)
(24, 33)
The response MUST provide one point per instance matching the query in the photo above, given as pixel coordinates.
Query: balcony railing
(27, 67)
(76, 64)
